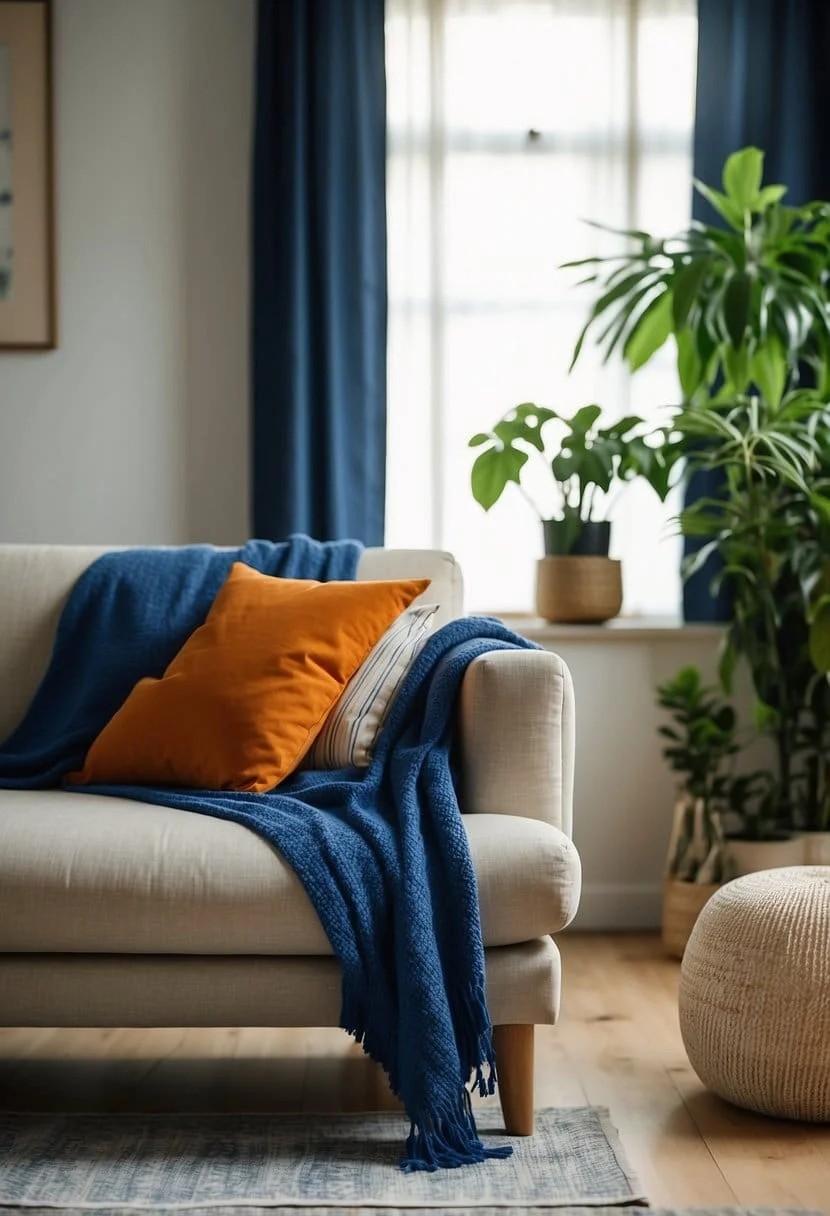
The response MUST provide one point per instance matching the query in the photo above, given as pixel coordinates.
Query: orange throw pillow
(247, 694)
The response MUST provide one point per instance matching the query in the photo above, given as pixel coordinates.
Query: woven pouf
(755, 993)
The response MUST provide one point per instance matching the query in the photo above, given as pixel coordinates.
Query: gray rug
(245, 1210)
(165, 1162)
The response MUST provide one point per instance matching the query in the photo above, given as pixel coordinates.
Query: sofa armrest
(517, 736)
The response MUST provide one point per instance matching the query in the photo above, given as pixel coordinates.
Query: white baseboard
(610, 906)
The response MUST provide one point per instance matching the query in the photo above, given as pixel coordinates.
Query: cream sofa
(117, 913)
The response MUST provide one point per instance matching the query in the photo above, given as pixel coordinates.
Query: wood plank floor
(617, 1045)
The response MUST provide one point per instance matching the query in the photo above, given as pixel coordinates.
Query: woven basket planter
(578, 589)
(755, 993)
(682, 904)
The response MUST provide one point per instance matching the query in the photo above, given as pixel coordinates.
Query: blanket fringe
(449, 1142)
(447, 1138)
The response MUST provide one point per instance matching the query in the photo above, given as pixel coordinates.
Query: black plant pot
(564, 539)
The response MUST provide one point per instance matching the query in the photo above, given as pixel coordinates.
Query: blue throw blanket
(381, 851)
(129, 614)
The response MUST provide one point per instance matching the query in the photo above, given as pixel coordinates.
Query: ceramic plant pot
(816, 847)
(751, 856)
(592, 539)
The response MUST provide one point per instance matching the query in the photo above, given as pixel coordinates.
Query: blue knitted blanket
(129, 614)
(381, 851)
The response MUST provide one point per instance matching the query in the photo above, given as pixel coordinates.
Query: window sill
(621, 629)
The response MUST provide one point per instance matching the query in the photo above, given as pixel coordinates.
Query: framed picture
(27, 242)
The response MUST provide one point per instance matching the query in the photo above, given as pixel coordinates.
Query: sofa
(119, 913)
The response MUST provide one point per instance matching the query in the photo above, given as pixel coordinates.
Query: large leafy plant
(584, 459)
(771, 528)
(747, 304)
(748, 307)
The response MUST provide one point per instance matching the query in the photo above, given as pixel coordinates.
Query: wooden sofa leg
(514, 1064)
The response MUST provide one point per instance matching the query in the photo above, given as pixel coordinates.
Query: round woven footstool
(755, 993)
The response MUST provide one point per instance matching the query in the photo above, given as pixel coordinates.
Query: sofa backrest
(35, 581)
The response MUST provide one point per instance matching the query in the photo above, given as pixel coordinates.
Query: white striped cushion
(354, 724)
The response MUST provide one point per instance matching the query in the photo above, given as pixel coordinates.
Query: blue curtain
(762, 79)
(319, 270)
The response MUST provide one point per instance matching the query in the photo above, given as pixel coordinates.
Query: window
(510, 122)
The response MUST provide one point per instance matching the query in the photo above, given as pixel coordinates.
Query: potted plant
(748, 307)
(699, 742)
(576, 580)
(770, 528)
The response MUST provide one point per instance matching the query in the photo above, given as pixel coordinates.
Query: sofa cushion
(249, 691)
(351, 730)
(83, 872)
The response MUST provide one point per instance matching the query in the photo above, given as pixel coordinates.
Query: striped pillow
(352, 727)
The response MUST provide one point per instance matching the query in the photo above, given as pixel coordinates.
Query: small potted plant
(699, 742)
(725, 821)
(576, 580)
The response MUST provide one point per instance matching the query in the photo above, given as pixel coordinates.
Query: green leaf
(736, 307)
(721, 204)
(685, 287)
(563, 466)
(742, 176)
(492, 471)
(622, 288)
(585, 418)
(636, 305)
(689, 367)
(478, 440)
(694, 562)
(766, 718)
(768, 368)
(623, 426)
(736, 366)
(650, 332)
(769, 196)
(512, 428)
(819, 639)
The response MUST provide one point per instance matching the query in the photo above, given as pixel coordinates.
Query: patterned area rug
(162, 1163)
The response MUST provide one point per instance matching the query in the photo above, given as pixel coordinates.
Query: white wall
(624, 793)
(136, 428)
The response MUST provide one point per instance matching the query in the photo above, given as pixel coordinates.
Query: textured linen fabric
(517, 736)
(35, 582)
(177, 882)
(128, 615)
(353, 725)
(523, 986)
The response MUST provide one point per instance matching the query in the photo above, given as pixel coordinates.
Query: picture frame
(28, 296)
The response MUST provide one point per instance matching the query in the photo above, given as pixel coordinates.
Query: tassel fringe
(446, 1137)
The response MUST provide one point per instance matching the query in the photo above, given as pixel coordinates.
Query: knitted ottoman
(755, 993)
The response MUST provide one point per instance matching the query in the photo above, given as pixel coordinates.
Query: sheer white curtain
(510, 122)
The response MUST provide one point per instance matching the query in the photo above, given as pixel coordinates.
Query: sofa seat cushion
(82, 872)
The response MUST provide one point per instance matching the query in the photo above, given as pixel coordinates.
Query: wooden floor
(617, 1045)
